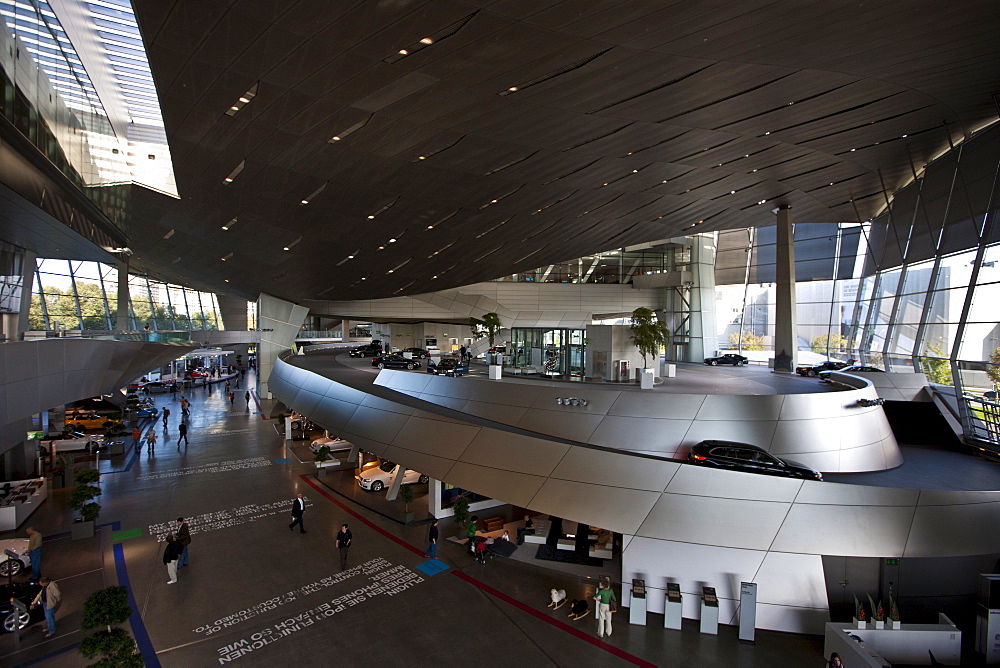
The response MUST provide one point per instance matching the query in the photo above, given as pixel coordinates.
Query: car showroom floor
(257, 594)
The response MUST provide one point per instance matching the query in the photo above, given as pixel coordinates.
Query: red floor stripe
(620, 653)
(256, 401)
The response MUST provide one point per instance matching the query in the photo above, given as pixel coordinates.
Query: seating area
(541, 531)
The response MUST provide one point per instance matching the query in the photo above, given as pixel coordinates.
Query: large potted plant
(648, 335)
(321, 459)
(82, 500)
(488, 326)
(114, 435)
(406, 496)
(115, 647)
(460, 507)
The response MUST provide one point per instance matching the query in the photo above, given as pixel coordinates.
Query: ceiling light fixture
(230, 224)
(236, 172)
(427, 40)
(292, 245)
(404, 52)
(354, 128)
(169, 234)
(313, 195)
(226, 280)
(226, 257)
(243, 100)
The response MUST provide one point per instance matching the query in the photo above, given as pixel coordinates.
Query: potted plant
(82, 499)
(460, 508)
(114, 435)
(648, 335)
(860, 617)
(488, 326)
(321, 458)
(114, 646)
(894, 614)
(878, 613)
(406, 496)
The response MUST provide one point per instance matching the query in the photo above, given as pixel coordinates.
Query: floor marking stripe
(135, 619)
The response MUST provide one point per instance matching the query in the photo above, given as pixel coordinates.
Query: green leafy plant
(82, 497)
(115, 647)
(859, 610)
(461, 509)
(938, 370)
(878, 612)
(993, 368)
(406, 496)
(834, 343)
(487, 326)
(648, 333)
(893, 610)
(748, 342)
(323, 454)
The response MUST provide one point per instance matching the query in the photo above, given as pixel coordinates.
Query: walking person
(344, 544)
(184, 538)
(298, 508)
(232, 397)
(151, 441)
(35, 552)
(247, 397)
(49, 598)
(605, 595)
(182, 432)
(170, 557)
(432, 541)
(461, 353)
(166, 417)
(136, 438)
(227, 386)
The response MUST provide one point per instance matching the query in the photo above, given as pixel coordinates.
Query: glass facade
(556, 351)
(71, 295)
(615, 266)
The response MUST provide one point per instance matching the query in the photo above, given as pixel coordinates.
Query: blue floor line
(135, 621)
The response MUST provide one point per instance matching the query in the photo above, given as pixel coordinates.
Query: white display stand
(24, 498)
(669, 370)
(646, 379)
(673, 607)
(709, 612)
(637, 604)
(908, 644)
(748, 611)
(495, 371)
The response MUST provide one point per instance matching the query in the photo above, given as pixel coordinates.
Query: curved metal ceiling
(510, 135)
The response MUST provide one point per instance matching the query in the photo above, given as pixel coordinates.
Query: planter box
(895, 624)
(879, 624)
(81, 530)
(407, 518)
(495, 371)
(860, 623)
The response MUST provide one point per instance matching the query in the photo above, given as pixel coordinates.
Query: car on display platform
(376, 478)
(368, 350)
(748, 458)
(70, 441)
(84, 421)
(12, 619)
(8, 565)
(395, 361)
(147, 412)
(416, 353)
(728, 358)
(815, 369)
(332, 444)
(196, 373)
(159, 387)
(859, 368)
(448, 367)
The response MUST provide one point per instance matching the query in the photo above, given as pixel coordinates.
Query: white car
(9, 566)
(377, 477)
(71, 441)
(334, 444)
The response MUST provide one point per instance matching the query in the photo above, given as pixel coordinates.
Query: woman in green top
(605, 594)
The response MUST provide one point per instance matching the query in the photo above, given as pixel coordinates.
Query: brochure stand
(637, 608)
(709, 611)
(673, 607)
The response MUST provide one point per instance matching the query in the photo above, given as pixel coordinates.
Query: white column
(704, 337)
(785, 344)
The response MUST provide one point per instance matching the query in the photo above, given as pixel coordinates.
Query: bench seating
(541, 534)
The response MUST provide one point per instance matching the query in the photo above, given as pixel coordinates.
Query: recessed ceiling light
(767, 133)
(229, 180)
(427, 40)
(381, 247)
(430, 227)
(363, 278)
(292, 245)
(392, 241)
(754, 170)
(732, 192)
(350, 257)
(403, 52)
(335, 138)
(226, 257)
(244, 99)
(390, 271)
(236, 172)
(226, 280)
(635, 171)
(305, 201)
(169, 234)
(235, 108)
(435, 276)
(421, 157)
(371, 217)
(493, 201)
(853, 150)
(762, 201)
(231, 223)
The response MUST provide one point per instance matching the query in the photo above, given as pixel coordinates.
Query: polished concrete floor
(257, 594)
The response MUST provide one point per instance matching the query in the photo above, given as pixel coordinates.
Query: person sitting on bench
(526, 529)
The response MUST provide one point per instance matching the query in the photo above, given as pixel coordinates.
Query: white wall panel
(515, 488)
(715, 521)
(704, 481)
(573, 426)
(514, 452)
(605, 468)
(661, 436)
(655, 405)
(376, 424)
(447, 439)
(857, 531)
(740, 407)
(617, 508)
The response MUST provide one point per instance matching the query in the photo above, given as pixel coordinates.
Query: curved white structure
(682, 523)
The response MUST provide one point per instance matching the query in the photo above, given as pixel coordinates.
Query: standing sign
(748, 610)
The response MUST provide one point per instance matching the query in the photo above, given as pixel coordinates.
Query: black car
(417, 353)
(748, 458)
(366, 350)
(394, 361)
(861, 368)
(728, 358)
(814, 369)
(448, 367)
(25, 592)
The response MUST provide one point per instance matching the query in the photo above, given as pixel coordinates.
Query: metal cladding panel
(503, 392)
(347, 395)
(858, 531)
(940, 498)
(615, 508)
(403, 381)
(333, 414)
(430, 465)
(759, 433)
(652, 405)
(52, 359)
(514, 488)
(436, 437)
(792, 579)
(662, 436)
(598, 467)
(379, 425)
(704, 481)
(598, 401)
(446, 402)
(821, 405)
(740, 408)
(514, 452)
(378, 403)
(791, 619)
(692, 566)
(306, 402)
(715, 521)
(952, 531)
(840, 494)
(857, 460)
(442, 386)
(573, 426)
(23, 398)
(504, 414)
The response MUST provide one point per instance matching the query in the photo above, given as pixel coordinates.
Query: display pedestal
(637, 606)
(646, 379)
(495, 371)
(673, 607)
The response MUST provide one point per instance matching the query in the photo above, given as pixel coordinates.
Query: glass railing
(147, 337)
(320, 334)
